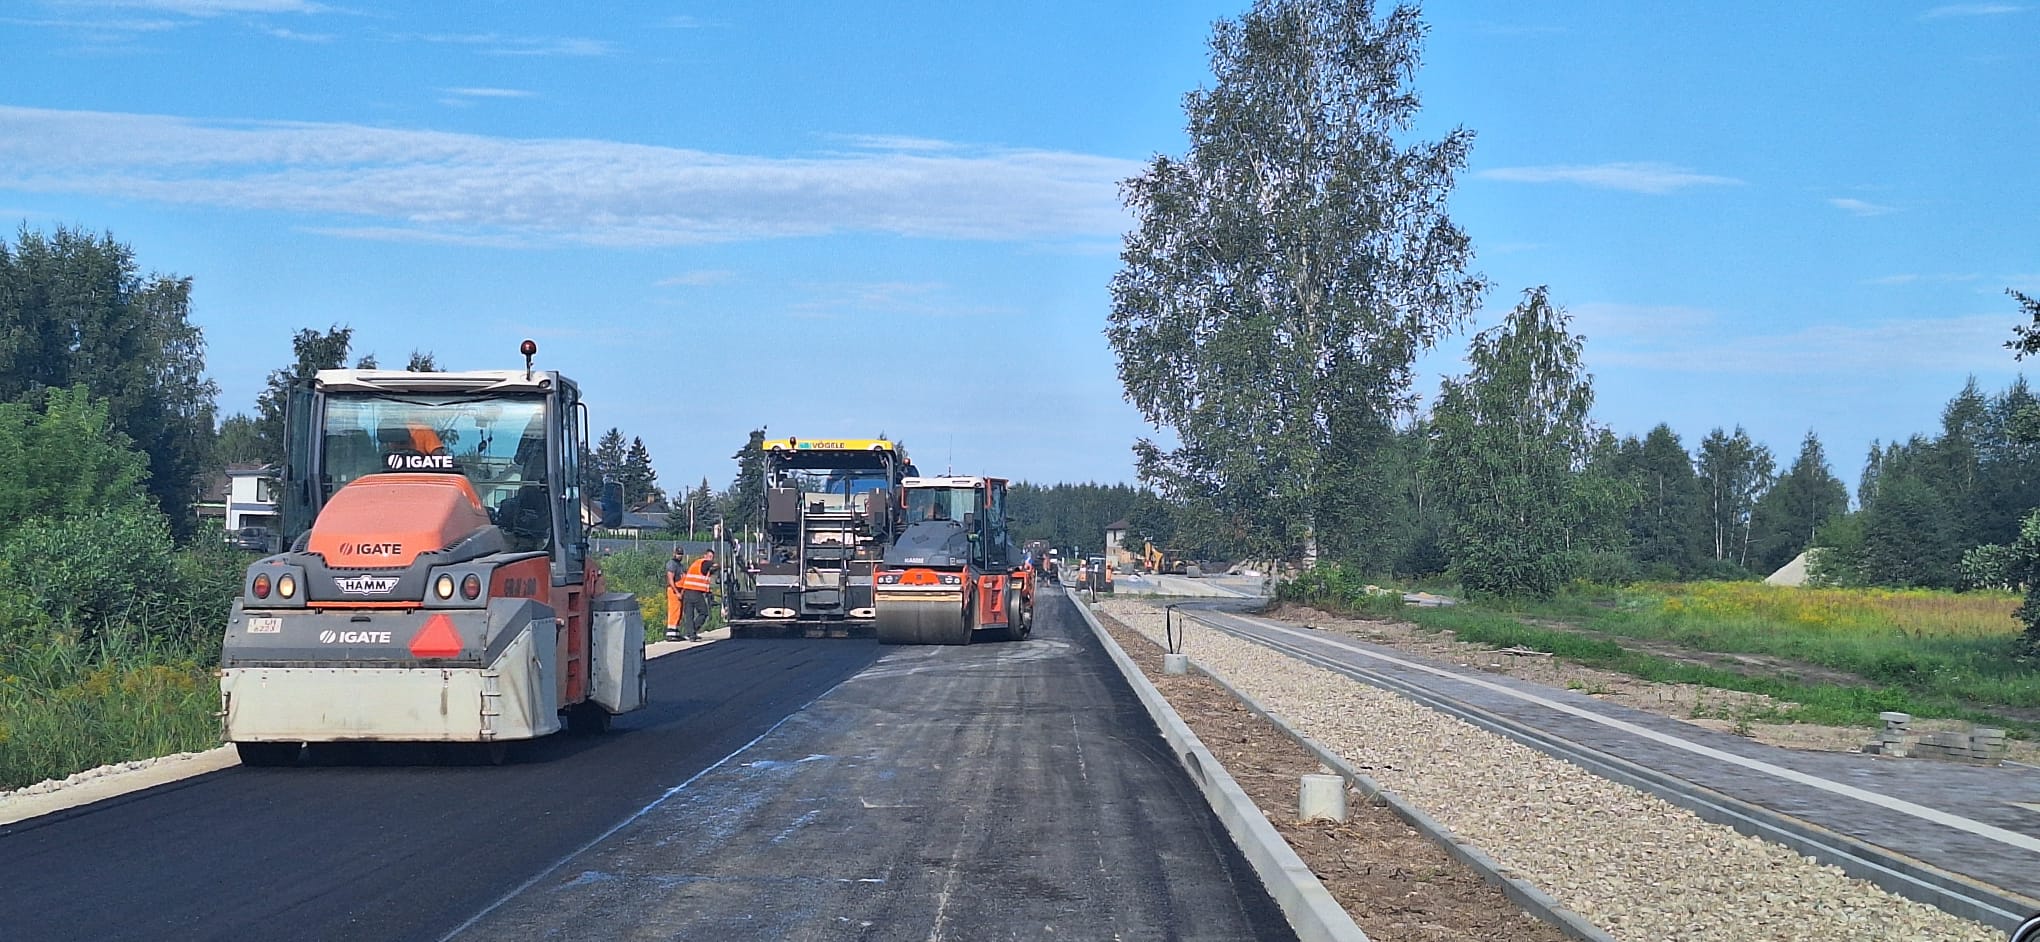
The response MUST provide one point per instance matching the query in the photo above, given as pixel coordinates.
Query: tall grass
(68, 705)
(1930, 653)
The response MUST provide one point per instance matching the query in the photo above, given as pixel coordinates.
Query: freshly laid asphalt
(775, 789)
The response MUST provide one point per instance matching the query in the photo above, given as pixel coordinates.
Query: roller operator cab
(808, 551)
(954, 571)
(436, 584)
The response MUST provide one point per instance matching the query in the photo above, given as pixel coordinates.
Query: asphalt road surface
(775, 789)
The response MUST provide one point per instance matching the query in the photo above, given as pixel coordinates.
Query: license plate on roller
(265, 625)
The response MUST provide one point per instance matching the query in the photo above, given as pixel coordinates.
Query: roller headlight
(443, 586)
(952, 580)
(286, 586)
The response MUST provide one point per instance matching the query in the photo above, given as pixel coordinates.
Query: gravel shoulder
(1633, 864)
(1393, 881)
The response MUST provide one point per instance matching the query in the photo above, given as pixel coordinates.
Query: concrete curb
(1310, 908)
(1519, 891)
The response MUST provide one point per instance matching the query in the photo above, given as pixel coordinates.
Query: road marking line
(1900, 805)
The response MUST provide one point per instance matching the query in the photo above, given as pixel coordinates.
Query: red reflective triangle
(437, 639)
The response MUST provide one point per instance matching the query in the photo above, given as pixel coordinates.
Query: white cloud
(1971, 9)
(1860, 207)
(295, 36)
(212, 7)
(497, 44)
(929, 299)
(490, 92)
(1602, 319)
(1648, 177)
(1969, 342)
(386, 183)
(696, 279)
(1914, 277)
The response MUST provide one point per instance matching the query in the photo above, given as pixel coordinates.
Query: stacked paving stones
(1982, 745)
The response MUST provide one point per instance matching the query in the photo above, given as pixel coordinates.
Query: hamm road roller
(953, 571)
(436, 585)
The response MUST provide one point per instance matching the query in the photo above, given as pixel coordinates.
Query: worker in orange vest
(695, 587)
(676, 570)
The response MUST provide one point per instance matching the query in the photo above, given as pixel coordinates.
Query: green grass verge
(1827, 704)
(1931, 654)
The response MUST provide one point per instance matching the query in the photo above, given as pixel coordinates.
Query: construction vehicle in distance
(1095, 575)
(1163, 562)
(953, 571)
(1045, 559)
(830, 508)
(436, 584)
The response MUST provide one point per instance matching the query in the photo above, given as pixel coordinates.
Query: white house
(1115, 544)
(251, 497)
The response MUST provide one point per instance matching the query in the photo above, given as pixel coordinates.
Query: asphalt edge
(1519, 891)
(1305, 902)
(16, 806)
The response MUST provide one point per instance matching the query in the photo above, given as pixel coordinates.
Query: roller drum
(915, 622)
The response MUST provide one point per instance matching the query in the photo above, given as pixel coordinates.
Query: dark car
(254, 539)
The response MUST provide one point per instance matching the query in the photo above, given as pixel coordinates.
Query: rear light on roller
(471, 587)
(286, 586)
(952, 580)
(262, 586)
(443, 586)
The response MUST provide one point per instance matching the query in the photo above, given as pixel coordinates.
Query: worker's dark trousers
(695, 605)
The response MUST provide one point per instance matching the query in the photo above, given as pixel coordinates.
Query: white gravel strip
(1634, 864)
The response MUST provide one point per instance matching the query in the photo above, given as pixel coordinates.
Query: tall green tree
(61, 456)
(1511, 438)
(1665, 522)
(311, 351)
(605, 463)
(699, 507)
(239, 442)
(1804, 498)
(75, 310)
(640, 482)
(1285, 273)
(2026, 425)
(1908, 538)
(1733, 471)
(744, 499)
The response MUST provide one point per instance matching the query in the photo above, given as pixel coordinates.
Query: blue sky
(842, 219)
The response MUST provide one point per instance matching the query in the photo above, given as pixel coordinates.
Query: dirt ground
(1396, 884)
(1713, 708)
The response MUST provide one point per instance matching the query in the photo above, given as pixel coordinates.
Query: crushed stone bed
(1634, 864)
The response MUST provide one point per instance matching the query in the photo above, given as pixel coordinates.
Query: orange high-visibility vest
(696, 579)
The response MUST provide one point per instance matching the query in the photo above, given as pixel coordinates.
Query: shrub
(76, 575)
(1601, 567)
